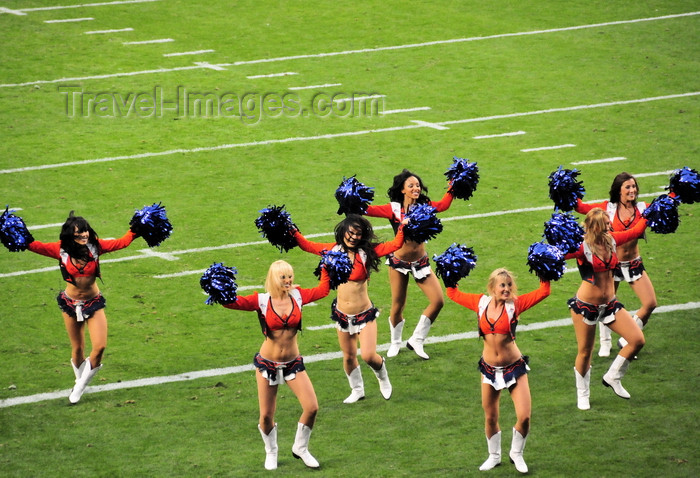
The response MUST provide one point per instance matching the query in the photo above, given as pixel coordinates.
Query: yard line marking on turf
(103, 77)
(350, 52)
(272, 75)
(43, 226)
(500, 135)
(346, 134)
(70, 20)
(545, 148)
(210, 66)
(148, 42)
(12, 12)
(149, 253)
(406, 110)
(430, 125)
(61, 7)
(648, 175)
(462, 40)
(604, 160)
(574, 108)
(217, 372)
(163, 255)
(312, 87)
(117, 30)
(183, 53)
(321, 327)
(358, 98)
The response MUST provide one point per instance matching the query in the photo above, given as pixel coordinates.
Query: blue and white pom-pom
(423, 223)
(276, 225)
(219, 282)
(338, 266)
(546, 261)
(454, 264)
(685, 183)
(564, 188)
(564, 232)
(353, 197)
(662, 214)
(152, 224)
(13, 232)
(464, 177)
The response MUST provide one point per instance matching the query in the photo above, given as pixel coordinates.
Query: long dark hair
(367, 242)
(617, 185)
(395, 194)
(77, 224)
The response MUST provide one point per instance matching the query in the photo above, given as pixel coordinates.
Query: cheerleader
(624, 212)
(595, 302)
(78, 253)
(411, 259)
(501, 364)
(352, 310)
(279, 361)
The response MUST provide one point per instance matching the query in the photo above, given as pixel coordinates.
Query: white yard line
(217, 372)
(405, 110)
(85, 5)
(272, 75)
(102, 32)
(351, 52)
(604, 160)
(500, 135)
(184, 53)
(346, 134)
(313, 87)
(545, 148)
(149, 42)
(70, 20)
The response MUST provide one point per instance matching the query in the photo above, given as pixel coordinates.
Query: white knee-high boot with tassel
(516, 451)
(613, 376)
(494, 459)
(85, 378)
(300, 449)
(396, 332)
(384, 383)
(271, 449)
(583, 389)
(420, 333)
(357, 385)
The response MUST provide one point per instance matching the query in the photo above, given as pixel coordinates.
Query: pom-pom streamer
(13, 232)
(152, 224)
(276, 225)
(564, 232)
(219, 282)
(564, 188)
(454, 264)
(685, 183)
(662, 214)
(464, 177)
(423, 223)
(546, 261)
(353, 197)
(338, 266)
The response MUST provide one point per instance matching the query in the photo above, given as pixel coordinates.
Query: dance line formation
(605, 247)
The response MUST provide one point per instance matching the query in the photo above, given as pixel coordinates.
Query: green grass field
(88, 121)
